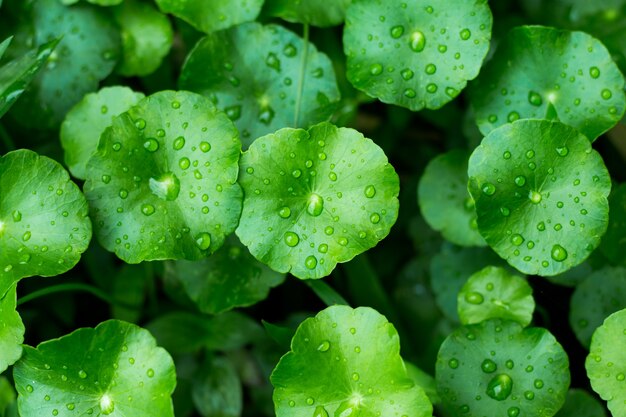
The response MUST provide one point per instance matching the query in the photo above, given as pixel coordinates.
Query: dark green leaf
(613, 244)
(314, 12)
(580, 403)
(11, 335)
(217, 389)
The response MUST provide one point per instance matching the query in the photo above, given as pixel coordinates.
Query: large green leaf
(11, 331)
(44, 226)
(444, 200)
(580, 403)
(229, 278)
(84, 124)
(346, 362)
(162, 184)
(213, 15)
(613, 244)
(315, 198)
(314, 12)
(541, 195)
(115, 369)
(415, 54)
(606, 362)
(537, 68)
(497, 368)
(264, 78)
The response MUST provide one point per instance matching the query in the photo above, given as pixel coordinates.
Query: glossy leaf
(85, 122)
(613, 244)
(494, 293)
(44, 226)
(425, 381)
(606, 362)
(253, 73)
(214, 15)
(580, 403)
(513, 371)
(114, 369)
(601, 294)
(217, 389)
(541, 195)
(312, 12)
(535, 67)
(444, 200)
(369, 377)
(162, 184)
(147, 36)
(315, 198)
(11, 332)
(415, 54)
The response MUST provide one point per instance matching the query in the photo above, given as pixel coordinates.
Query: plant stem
(303, 64)
(96, 292)
(326, 293)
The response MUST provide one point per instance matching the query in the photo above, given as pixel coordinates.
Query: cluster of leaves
(172, 162)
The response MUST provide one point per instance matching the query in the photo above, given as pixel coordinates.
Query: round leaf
(114, 369)
(444, 200)
(541, 195)
(162, 184)
(606, 362)
(580, 403)
(416, 55)
(613, 244)
(315, 198)
(11, 331)
(313, 12)
(216, 389)
(253, 73)
(44, 226)
(83, 125)
(346, 362)
(537, 67)
(493, 293)
(602, 293)
(513, 371)
(229, 278)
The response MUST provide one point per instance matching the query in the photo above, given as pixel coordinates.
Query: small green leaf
(423, 380)
(253, 73)
(44, 226)
(84, 124)
(114, 369)
(444, 200)
(613, 244)
(606, 362)
(602, 293)
(579, 403)
(513, 371)
(346, 362)
(494, 293)
(213, 15)
(229, 278)
(418, 54)
(162, 184)
(315, 198)
(541, 195)
(535, 67)
(313, 12)
(216, 389)
(146, 37)
(11, 332)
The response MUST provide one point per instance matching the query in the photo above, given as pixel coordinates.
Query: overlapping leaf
(11, 331)
(312, 12)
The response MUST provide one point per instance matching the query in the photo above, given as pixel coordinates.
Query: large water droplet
(106, 405)
(179, 143)
(500, 386)
(291, 239)
(315, 205)
(166, 186)
(474, 297)
(397, 31)
(488, 366)
(320, 411)
(203, 241)
(488, 188)
(324, 346)
(558, 253)
(465, 34)
(284, 212)
(310, 262)
(517, 239)
(534, 98)
(417, 41)
(147, 209)
(370, 191)
(151, 145)
(17, 216)
(535, 197)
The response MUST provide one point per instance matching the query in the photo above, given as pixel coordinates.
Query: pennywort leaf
(579, 403)
(312, 12)
(216, 389)
(11, 332)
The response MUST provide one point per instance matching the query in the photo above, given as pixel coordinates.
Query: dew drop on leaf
(500, 386)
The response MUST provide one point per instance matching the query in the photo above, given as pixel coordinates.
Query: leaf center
(166, 186)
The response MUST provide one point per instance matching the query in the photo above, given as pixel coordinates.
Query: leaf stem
(6, 139)
(96, 292)
(303, 64)
(326, 293)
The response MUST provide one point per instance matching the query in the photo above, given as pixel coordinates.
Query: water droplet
(324, 346)
(166, 186)
(26, 236)
(203, 241)
(506, 155)
(410, 93)
(431, 69)
(179, 143)
(291, 239)
(606, 94)
(140, 124)
(465, 34)
(184, 163)
(432, 88)
(320, 411)
(517, 239)
(513, 412)
(562, 150)
(290, 50)
(17, 216)
(474, 297)
(370, 191)
(82, 374)
(315, 205)
(513, 116)
(488, 366)
(534, 98)
(284, 212)
(535, 197)
(520, 180)
(29, 388)
(296, 173)
(538, 383)
(272, 61)
(375, 218)
(453, 363)
(407, 74)
(150, 373)
(205, 146)
(397, 31)
(70, 406)
(417, 41)
(488, 189)
(499, 388)
(106, 405)
(376, 69)
(151, 145)
(558, 253)
(147, 209)
(310, 262)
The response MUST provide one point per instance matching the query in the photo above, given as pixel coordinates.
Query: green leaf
(416, 56)
(254, 73)
(606, 362)
(17, 74)
(7, 397)
(11, 332)
(541, 195)
(129, 288)
(162, 184)
(601, 294)
(114, 368)
(536, 66)
(311, 12)
(147, 37)
(572, 277)
(107, 2)
(580, 403)
(423, 380)
(5, 44)
(513, 371)
(214, 15)
(493, 293)
(229, 278)
(368, 378)
(444, 201)
(315, 198)
(44, 226)
(86, 121)
(613, 244)
(217, 389)
(85, 55)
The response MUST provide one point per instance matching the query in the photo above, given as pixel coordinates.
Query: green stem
(326, 293)
(303, 64)
(6, 139)
(96, 292)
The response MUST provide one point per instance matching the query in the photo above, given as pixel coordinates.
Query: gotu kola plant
(267, 197)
